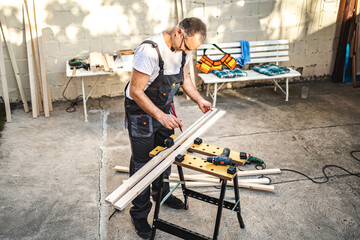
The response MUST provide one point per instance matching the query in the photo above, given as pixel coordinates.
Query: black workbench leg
(183, 186)
(220, 207)
(157, 207)
(237, 198)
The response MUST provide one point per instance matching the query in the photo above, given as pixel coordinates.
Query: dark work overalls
(146, 133)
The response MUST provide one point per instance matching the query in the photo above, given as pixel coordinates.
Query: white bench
(262, 52)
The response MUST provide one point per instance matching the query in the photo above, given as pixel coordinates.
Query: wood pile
(100, 62)
(39, 85)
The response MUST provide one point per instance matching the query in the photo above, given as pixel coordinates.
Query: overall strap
(183, 61)
(155, 45)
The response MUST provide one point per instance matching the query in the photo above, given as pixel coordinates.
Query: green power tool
(78, 63)
(250, 159)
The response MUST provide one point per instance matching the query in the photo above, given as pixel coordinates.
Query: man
(159, 68)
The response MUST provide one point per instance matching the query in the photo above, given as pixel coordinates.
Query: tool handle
(225, 153)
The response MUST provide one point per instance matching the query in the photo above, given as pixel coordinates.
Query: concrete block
(48, 34)
(266, 7)
(298, 46)
(312, 46)
(95, 44)
(51, 49)
(73, 49)
(244, 23)
(326, 45)
(245, 9)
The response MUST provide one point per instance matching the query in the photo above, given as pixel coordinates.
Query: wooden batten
(142, 172)
(13, 61)
(34, 103)
(159, 169)
(4, 83)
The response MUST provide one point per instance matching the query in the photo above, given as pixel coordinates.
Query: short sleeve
(145, 59)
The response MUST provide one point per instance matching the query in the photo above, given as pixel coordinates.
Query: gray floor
(56, 172)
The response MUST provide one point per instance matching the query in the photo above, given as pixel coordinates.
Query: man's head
(189, 35)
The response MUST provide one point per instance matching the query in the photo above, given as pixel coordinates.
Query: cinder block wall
(74, 28)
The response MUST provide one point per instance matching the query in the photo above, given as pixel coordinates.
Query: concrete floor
(56, 172)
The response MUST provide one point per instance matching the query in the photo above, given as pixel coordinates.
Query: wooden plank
(110, 62)
(252, 43)
(4, 84)
(43, 68)
(201, 165)
(252, 186)
(44, 78)
(13, 61)
(35, 55)
(259, 172)
(34, 107)
(156, 172)
(142, 172)
(106, 66)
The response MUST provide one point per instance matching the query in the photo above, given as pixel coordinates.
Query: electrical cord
(327, 177)
(73, 103)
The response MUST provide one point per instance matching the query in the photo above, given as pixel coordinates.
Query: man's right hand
(170, 121)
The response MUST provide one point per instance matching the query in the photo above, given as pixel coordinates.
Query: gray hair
(192, 26)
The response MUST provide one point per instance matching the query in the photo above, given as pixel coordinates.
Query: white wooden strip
(141, 173)
(269, 60)
(251, 43)
(214, 50)
(259, 172)
(13, 61)
(252, 186)
(156, 172)
(43, 78)
(34, 107)
(35, 55)
(253, 55)
(4, 83)
(42, 58)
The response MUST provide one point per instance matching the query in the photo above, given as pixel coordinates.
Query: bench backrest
(260, 51)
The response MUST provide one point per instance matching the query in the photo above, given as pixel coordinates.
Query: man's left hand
(204, 105)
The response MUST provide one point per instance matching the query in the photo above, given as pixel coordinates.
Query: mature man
(159, 68)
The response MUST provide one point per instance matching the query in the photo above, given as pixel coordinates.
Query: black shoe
(174, 202)
(142, 228)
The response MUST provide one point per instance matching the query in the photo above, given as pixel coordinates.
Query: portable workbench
(199, 164)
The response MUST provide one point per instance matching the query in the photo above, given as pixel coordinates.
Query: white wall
(76, 27)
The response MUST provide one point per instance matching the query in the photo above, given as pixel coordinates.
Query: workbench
(82, 73)
(201, 165)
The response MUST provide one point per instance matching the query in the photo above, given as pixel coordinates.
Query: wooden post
(34, 106)
(13, 61)
(4, 84)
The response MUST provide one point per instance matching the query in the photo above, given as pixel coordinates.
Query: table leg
(220, 207)
(84, 99)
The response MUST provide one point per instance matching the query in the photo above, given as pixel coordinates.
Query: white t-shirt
(146, 59)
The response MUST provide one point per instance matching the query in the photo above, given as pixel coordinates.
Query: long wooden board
(142, 172)
(34, 106)
(4, 84)
(156, 172)
(13, 61)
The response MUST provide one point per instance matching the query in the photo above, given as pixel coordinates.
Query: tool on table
(77, 63)
(223, 159)
(173, 110)
(250, 159)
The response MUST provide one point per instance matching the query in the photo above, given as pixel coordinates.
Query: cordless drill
(223, 159)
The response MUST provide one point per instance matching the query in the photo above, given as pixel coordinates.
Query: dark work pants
(143, 139)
